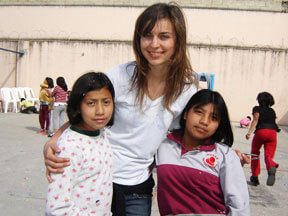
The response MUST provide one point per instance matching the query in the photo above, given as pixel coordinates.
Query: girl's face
(201, 123)
(158, 46)
(96, 109)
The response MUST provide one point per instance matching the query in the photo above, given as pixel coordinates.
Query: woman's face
(158, 46)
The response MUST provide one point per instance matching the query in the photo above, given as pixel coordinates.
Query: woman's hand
(244, 159)
(53, 163)
(248, 136)
(256, 116)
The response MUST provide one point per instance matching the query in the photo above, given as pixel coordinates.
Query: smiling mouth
(155, 54)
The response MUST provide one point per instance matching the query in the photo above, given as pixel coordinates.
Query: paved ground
(23, 183)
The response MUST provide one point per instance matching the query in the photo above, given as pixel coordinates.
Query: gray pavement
(23, 182)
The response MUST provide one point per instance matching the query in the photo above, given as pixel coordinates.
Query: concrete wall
(246, 50)
(254, 5)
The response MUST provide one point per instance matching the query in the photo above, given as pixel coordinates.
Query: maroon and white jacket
(206, 181)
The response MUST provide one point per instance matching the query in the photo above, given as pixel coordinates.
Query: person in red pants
(265, 134)
(46, 104)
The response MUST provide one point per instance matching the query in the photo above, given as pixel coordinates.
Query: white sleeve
(179, 105)
(120, 76)
(113, 75)
(59, 195)
(234, 185)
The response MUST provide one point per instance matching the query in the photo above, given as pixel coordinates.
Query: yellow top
(26, 104)
(45, 95)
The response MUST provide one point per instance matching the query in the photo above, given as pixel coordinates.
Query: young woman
(59, 106)
(265, 134)
(198, 174)
(85, 187)
(150, 95)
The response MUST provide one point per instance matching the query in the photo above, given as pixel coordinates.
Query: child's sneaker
(41, 131)
(45, 132)
(254, 180)
(50, 134)
(271, 176)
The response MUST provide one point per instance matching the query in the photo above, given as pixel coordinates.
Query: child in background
(60, 100)
(197, 171)
(245, 122)
(265, 134)
(46, 104)
(85, 187)
(27, 107)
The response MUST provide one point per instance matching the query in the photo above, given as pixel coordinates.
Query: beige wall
(229, 27)
(246, 50)
(254, 5)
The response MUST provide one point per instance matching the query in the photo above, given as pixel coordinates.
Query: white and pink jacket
(206, 181)
(85, 187)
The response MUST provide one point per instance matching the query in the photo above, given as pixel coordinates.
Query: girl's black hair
(265, 99)
(50, 82)
(203, 97)
(60, 81)
(85, 83)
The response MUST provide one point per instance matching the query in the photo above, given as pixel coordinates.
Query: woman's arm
(253, 125)
(54, 164)
(54, 92)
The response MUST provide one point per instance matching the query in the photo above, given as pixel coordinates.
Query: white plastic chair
(16, 96)
(21, 92)
(30, 96)
(7, 99)
(1, 103)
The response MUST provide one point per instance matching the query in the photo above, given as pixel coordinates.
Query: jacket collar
(176, 136)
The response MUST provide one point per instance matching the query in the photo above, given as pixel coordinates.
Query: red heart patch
(210, 161)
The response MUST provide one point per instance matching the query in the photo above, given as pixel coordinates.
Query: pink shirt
(245, 121)
(59, 94)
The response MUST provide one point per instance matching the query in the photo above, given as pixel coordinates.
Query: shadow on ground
(32, 128)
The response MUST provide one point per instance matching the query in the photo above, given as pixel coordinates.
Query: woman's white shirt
(137, 134)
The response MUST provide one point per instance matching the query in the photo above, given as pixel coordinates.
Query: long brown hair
(180, 70)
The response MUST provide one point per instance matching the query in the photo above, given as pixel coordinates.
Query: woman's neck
(156, 82)
(158, 72)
